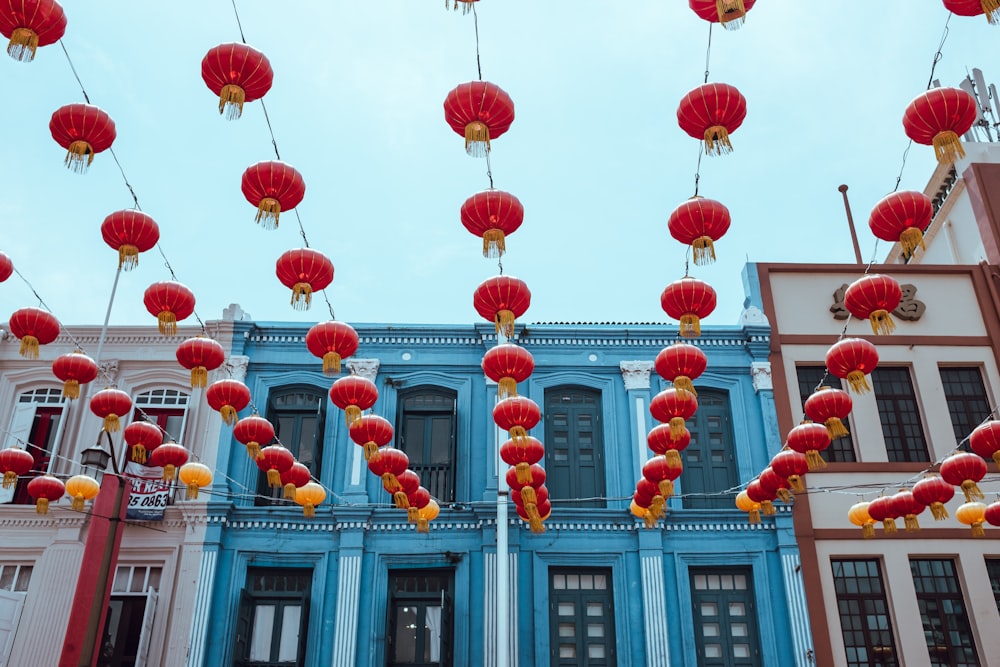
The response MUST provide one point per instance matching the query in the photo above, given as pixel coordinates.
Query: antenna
(973, 133)
(982, 92)
(996, 103)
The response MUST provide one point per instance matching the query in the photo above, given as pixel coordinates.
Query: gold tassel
(128, 257)
(494, 245)
(523, 472)
(167, 322)
(192, 492)
(996, 457)
(528, 495)
(972, 491)
(717, 141)
(731, 13)
(79, 156)
(274, 479)
(228, 413)
(412, 514)
(477, 139)
(139, 453)
(331, 363)
(754, 516)
(795, 481)
(518, 433)
(858, 382)
(423, 525)
(71, 389)
(507, 387)
(505, 323)
(302, 296)
(676, 427)
(253, 449)
(889, 525)
(682, 383)
(112, 423)
(309, 510)
(168, 472)
(42, 506)
(814, 460)
(9, 479)
(268, 212)
(948, 147)
(29, 347)
(649, 520)
(784, 495)
(656, 507)
(836, 428)
(673, 459)
(939, 511)
(370, 449)
(992, 10)
(199, 377)
(231, 100)
(402, 500)
(767, 508)
(536, 525)
(77, 504)
(353, 414)
(390, 482)
(977, 529)
(909, 239)
(910, 521)
(868, 530)
(23, 45)
(690, 326)
(666, 488)
(289, 492)
(703, 250)
(882, 324)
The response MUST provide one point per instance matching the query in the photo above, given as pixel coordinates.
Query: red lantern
(142, 437)
(934, 492)
(775, 485)
(74, 369)
(170, 302)
(792, 466)
(882, 509)
(699, 222)
(501, 300)
(480, 111)
(6, 267)
(991, 8)
(992, 514)
(730, 13)
(873, 297)
(647, 495)
(416, 502)
(168, 456)
(681, 363)
(332, 342)
(536, 473)
(906, 505)
(763, 496)
(228, 397)
(371, 432)
(408, 482)
(661, 440)
(254, 432)
(130, 232)
(200, 355)
(661, 473)
(294, 478)
(29, 24)
(964, 469)
(809, 438)
(274, 460)
(673, 407)
(389, 463)
(830, 407)
(507, 364)
(688, 300)
(985, 440)
(466, 5)
(493, 215)
(535, 517)
(111, 405)
(45, 489)
(712, 112)
(938, 118)
(272, 187)
(304, 271)
(903, 217)
(529, 495)
(517, 415)
(83, 130)
(851, 359)
(353, 394)
(237, 73)
(14, 461)
(33, 327)
(521, 454)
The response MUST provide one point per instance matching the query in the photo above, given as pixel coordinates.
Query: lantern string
(697, 170)
(708, 51)
(475, 23)
(939, 55)
(73, 69)
(239, 24)
(902, 167)
(128, 185)
(489, 169)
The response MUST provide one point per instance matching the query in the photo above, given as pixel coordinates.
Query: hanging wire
(708, 51)
(475, 23)
(697, 171)
(939, 55)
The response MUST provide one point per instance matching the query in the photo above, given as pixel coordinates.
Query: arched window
(574, 446)
(298, 415)
(425, 430)
(710, 459)
(167, 408)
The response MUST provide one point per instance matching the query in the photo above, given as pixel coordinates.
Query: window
(273, 617)
(36, 426)
(420, 618)
(864, 613)
(14, 578)
(709, 463)
(167, 408)
(129, 623)
(581, 617)
(966, 397)
(993, 571)
(426, 432)
(724, 616)
(897, 409)
(297, 414)
(841, 450)
(574, 447)
(943, 612)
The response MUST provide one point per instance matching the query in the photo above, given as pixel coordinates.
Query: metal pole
(107, 318)
(850, 223)
(503, 575)
(95, 623)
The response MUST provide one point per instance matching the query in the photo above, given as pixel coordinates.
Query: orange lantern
(859, 516)
(972, 514)
(426, 514)
(82, 488)
(745, 504)
(194, 476)
(309, 496)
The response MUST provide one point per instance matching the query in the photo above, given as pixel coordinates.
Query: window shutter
(146, 633)
(17, 436)
(10, 614)
(244, 626)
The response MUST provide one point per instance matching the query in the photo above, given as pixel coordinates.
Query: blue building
(357, 585)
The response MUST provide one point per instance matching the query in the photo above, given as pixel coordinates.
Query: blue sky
(594, 154)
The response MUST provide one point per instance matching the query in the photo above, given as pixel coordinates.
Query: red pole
(850, 223)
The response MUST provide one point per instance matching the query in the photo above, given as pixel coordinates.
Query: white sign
(149, 493)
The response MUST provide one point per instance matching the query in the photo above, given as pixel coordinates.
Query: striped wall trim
(654, 605)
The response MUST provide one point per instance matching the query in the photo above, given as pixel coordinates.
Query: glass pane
(307, 440)
(737, 609)
(559, 581)
(587, 582)
(713, 650)
(741, 650)
(595, 651)
(567, 609)
(741, 582)
(154, 578)
(709, 609)
(288, 647)
(601, 582)
(432, 634)
(7, 577)
(174, 426)
(710, 629)
(405, 644)
(700, 582)
(573, 581)
(595, 609)
(263, 629)
(122, 579)
(738, 629)
(413, 437)
(595, 630)
(567, 650)
(23, 577)
(567, 630)
(441, 440)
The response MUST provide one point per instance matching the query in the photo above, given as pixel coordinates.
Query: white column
(345, 639)
(489, 609)
(795, 595)
(199, 618)
(654, 611)
(512, 571)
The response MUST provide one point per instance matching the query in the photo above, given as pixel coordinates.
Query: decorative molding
(366, 368)
(795, 596)
(654, 605)
(635, 374)
(753, 316)
(236, 366)
(109, 370)
(345, 639)
(760, 371)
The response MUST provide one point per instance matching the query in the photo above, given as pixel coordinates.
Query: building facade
(357, 585)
